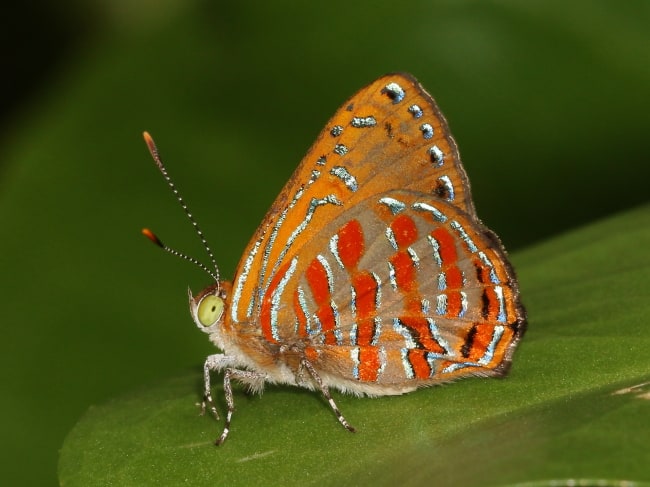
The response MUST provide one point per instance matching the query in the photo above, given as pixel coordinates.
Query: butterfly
(371, 272)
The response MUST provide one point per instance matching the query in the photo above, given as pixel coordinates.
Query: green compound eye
(210, 310)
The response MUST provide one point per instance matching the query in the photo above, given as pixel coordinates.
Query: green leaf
(574, 408)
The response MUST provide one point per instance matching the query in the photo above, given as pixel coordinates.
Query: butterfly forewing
(389, 135)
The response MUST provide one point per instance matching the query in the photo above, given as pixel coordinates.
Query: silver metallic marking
(354, 356)
(251, 302)
(390, 236)
(498, 290)
(414, 257)
(363, 122)
(435, 333)
(432, 358)
(391, 276)
(436, 250)
(242, 279)
(435, 212)
(458, 365)
(341, 149)
(321, 161)
(328, 272)
(408, 368)
(302, 300)
(416, 111)
(383, 359)
(338, 334)
(269, 246)
(437, 156)
(441, 304)
(274, 234)
(347, 178)
(377, 333)
(489, 352)
(426, 306)
(378, 290)
(463, 304)
(354, 330)
(334, 249)
(463, 234)
(448, 186)
(353, 301)
(276, 296)
(488, 263)
(427, 131)
(318, 326)
(315, 174)
(330, 287)
(442, 281)
(394, 91)
(395, 206)
(409, 342)
(336, 131)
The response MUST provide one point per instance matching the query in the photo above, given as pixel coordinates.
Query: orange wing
(389, 135)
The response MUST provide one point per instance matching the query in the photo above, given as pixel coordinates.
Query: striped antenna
(152, 236)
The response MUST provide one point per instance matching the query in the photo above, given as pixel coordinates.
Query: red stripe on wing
(319, 285)
(267, 305)
(350, 245)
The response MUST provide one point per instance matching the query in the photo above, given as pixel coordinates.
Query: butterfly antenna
(151, 236)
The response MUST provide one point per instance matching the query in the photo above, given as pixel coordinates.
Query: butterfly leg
(326, 392)
(255, 380)
(214, 363)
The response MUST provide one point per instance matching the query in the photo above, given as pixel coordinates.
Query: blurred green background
(548, 101)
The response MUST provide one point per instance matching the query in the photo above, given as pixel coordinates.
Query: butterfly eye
(210, 310)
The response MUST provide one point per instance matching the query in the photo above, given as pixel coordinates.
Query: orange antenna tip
(152, 236)
(151, 145)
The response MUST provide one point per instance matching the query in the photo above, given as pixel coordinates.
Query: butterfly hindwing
(401, 290)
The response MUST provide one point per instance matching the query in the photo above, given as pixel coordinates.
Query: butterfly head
(209, 306)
